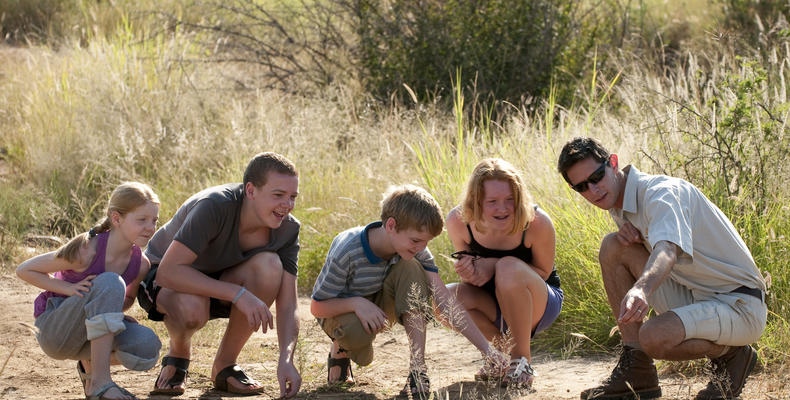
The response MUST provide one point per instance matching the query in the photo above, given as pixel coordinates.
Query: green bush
(757, 20)
(510, 50)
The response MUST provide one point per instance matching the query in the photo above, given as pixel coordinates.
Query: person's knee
(138, 348)
(266, 267)
(108, 283)
(656, 340)
(610, 251)
(190, 312)
(350, 334)
(513, 274)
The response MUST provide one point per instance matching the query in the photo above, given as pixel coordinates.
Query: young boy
(229, 251)
(381, 274)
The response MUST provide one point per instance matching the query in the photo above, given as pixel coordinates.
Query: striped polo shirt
(351, 269)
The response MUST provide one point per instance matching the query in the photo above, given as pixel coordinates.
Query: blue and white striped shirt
(351, 269)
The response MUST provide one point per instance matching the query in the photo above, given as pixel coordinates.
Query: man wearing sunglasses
(676, 252)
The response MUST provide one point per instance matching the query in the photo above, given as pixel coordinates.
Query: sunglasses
(595, 177)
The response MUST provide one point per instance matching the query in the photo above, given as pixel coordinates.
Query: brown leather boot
(729, 374)
(634, 377)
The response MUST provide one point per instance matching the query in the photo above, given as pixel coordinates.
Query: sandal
(84, 376)
(234, 371)
(519, 374)
(178, 378)
(99, 394)
(345, 370)
(418, 385)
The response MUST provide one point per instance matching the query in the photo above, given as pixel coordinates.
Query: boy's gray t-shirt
(208, 224)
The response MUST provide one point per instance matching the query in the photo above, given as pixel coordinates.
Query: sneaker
(729, 374)
(634, 377)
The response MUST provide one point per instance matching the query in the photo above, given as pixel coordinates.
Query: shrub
(511, 50)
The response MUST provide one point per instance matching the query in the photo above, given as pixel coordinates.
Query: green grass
(80, 118)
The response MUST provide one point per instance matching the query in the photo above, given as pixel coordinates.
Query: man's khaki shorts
(405, 289)
(730, 319)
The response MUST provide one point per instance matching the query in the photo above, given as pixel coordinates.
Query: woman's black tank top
(521, 252)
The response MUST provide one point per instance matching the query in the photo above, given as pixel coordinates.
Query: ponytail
(124, 198)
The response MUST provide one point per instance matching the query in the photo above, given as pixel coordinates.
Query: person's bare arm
(543, 242)
(287, 334)
(37, 270)
(372, 317)
(634, 307)
(176, 273)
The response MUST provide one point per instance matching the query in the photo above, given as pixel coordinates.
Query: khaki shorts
(405, 289)
(730, 319)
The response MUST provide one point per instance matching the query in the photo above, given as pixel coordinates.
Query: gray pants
(68, 324)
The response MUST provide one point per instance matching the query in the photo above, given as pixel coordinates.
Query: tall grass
(80, 119)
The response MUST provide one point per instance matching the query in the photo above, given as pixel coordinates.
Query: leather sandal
(234, 371)
(345, 370)
(84, 376)
(99, 394)
(178, 378)
(417, 386)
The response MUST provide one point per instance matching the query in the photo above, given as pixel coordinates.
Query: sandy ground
(26, 373)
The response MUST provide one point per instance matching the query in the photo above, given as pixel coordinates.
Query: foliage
(757, 21)
(511, 50)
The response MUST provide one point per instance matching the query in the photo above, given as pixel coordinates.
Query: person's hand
(289, 379)
(80, 288)
(256, 311)
(484, 271)
(372, 317)
(497, 361)
(628, 234)
(634, 307)
(465, 268)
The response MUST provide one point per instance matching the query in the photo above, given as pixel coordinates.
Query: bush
(511, 50)
(757, 21)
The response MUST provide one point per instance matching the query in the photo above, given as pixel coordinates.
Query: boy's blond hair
(412, 207)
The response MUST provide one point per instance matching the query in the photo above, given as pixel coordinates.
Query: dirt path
(452, 361)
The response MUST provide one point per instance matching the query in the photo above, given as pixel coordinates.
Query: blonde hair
(124, 199)
(500, 170)
(412, 207)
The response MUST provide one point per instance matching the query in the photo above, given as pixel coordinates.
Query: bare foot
(165, 374)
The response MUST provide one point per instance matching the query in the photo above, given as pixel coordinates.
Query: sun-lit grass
(78, 119)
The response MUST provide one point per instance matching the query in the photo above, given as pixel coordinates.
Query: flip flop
(99, 394)
(178, 378)
(84, 376)
(234, 371)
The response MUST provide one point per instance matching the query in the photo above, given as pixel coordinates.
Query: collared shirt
(351, 269)
(713, 257)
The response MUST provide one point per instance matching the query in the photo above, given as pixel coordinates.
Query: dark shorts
(149, 290)
(550, 314)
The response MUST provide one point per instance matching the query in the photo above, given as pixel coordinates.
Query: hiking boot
(634, 377)
(729, 374)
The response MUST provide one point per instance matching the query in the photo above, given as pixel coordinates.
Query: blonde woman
(505, 259)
